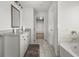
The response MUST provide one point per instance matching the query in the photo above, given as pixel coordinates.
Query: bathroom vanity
(14, 45)
(11, 45)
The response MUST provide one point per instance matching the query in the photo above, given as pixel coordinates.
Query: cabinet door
(22, 46)
(12, 47)
(1, 46)
(26, 41)
(26, 44)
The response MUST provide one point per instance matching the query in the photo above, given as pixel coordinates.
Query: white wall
(40, 27)
(68, 20)
(5, 21)
(44, 28)
(53, 26)
(28, 20)
(5, 15)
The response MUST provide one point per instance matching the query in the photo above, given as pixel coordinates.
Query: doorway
(39, 28)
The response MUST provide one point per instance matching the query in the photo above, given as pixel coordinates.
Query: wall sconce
(18, 3)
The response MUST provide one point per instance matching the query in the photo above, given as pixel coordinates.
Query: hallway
(28, 20)
(45, 49)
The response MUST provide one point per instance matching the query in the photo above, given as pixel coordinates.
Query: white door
(51, 35)
(51, 28)
(53, 25)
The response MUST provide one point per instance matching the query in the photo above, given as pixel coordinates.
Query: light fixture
(41, 18)
(18, 3)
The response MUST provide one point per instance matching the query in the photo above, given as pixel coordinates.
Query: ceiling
(37, 5)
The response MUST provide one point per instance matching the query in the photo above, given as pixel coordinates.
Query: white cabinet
(24, 42)
(1, 46)
(14, 45)
(11, 45)
(22, 45)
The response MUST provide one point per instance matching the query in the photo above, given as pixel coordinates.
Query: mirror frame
(12, 25)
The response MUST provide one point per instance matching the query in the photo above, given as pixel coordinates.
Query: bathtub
(69, 49)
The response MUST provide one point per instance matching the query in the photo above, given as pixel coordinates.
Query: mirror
(15, 17)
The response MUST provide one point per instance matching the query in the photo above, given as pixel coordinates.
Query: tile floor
(45, 49)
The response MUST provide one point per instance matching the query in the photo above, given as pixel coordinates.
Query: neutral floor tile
(45, 49)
